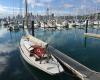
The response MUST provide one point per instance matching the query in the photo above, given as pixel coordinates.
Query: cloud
(62, 5)
(8, 11)
(60, 12)
(48, 1)
(39, 3)
(34, 3)
(66, 5)
(98, 1)
(2, 9)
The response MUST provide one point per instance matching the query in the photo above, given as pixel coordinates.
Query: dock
(79, 70)
(92, 35)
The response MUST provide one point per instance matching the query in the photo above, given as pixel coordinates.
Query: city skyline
(61, 7)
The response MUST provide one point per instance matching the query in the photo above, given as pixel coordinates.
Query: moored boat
(34, 52)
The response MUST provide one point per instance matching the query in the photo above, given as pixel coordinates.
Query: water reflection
(85, 42)
(71, 42)
(40, 75)
(11, 66)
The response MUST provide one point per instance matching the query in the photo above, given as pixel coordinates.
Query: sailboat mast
(26, 14)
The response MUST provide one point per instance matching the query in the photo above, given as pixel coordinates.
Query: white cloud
(34, 3)
(98, 1)
(43, 4)
(66, 5)
(60, 12)
(8, 11)
(84, 9)
(39, 3)
(2, 9)
(45, 1)
(5, 11)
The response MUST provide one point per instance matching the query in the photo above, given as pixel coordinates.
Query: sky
(58, 7)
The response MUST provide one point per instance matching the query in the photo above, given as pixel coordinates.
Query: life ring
(39, 51)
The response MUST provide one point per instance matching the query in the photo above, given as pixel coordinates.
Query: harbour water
(71, 42)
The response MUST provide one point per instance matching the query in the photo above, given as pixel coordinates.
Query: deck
(92, 35)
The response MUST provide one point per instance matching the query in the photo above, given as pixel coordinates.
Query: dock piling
(33, 28)
(23, 24)
(86, 26)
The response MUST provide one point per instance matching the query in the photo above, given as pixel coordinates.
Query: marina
(40, 42)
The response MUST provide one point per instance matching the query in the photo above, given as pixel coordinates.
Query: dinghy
(34, 52)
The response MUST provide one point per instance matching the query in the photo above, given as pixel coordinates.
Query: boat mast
(26, 14)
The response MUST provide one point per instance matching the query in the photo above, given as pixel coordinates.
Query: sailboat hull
(52, 67)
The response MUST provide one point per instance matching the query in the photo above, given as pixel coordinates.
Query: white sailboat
(34, 52)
